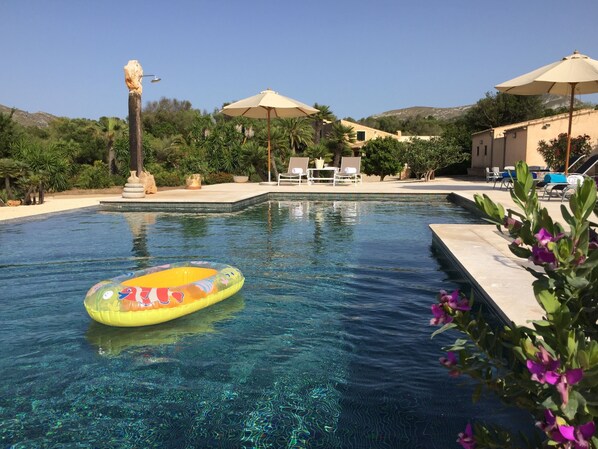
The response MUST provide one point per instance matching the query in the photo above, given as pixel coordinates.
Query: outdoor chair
(296, 171)
(560, 186)
(506, 178)
(350, 171)
(493, 174)
(582, 170)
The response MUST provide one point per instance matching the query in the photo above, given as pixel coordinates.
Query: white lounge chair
(493, 174)
(296, 171)
(350, 171)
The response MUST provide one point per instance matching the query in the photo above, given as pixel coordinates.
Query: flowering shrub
(549, 368)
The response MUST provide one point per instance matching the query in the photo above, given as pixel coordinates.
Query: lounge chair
(350, 171)
(583, 168)
(506, 178)
(559, 184)
(562, 185)
(296, 171)
(493, 174)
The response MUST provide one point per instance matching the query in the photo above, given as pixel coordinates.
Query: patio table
(324, 175)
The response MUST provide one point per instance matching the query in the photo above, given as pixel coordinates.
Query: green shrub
(94, 177)
(218, 178)
(164, 177)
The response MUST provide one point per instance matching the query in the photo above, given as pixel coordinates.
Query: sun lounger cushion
(297, 171)
(350, 170)
(555, 178)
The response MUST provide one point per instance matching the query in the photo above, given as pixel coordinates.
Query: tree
(503, 109)
(297, 131)
(169, 116)
(324, 115)
(80, 137)
(10, 169)
(555, 151)
(9, 133)
(338, 141)
(424, 157)
(382, 157)
(48, 161)
(110, 127)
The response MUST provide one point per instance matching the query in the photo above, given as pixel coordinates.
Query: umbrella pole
(269, 164)
(569, 130)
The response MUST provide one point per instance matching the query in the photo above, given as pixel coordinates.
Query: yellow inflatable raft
(162, 293)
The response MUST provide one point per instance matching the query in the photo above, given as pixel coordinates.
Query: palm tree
(297, 132)
(110, 128)
(325, 114)
(10, 169)
(338, 141)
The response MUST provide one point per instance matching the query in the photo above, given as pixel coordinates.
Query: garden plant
(550, 366)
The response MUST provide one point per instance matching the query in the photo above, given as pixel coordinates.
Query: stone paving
(479, 250)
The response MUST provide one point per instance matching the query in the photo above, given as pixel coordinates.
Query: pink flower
(576, 437)
(542, 255)
(455, 301)
(545, 364)
(545, 370)
(450, 361)
(562, 381)
(466, 439)
(544, 237)
(440, 315)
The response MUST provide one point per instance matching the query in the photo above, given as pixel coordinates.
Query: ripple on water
(326, 346)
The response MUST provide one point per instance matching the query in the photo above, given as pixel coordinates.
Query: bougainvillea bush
(550, 366)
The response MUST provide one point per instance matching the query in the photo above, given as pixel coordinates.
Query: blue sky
(66, 57)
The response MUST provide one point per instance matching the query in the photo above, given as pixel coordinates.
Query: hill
(549, 101)
(426, 111)
(24, 118)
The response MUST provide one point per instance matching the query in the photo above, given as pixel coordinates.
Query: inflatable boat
(161, 293)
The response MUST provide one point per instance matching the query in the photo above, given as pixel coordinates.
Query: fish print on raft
(146, 296)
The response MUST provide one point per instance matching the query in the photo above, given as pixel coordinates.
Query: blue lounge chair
(559, 184)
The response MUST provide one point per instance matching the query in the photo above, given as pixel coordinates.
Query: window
(360, 136)
(478, 151)
(485, 150)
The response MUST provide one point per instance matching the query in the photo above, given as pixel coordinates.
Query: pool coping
(129, 205)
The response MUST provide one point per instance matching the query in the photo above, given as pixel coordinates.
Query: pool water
(326, 346)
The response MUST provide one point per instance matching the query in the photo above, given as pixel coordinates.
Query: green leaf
(572, 344)
(576, 401)
(547, 300)
(444, 328)
(583, 359)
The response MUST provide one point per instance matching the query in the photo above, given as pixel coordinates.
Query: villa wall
(506, 145)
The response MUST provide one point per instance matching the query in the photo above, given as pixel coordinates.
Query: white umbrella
(268, 104)
(574, 74)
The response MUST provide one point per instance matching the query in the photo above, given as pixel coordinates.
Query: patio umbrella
(268, 104)
(574, 74)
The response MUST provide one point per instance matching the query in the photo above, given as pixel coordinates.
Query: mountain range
(42, 119)
(549, 101)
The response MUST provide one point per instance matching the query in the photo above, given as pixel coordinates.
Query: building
(364, 133)
(506, 145)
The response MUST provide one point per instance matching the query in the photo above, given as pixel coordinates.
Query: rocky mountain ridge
(24, 118)
(42, 119)
(549, 101)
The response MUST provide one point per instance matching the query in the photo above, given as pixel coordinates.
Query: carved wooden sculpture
(133, 77)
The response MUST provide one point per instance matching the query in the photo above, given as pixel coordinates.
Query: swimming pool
(327, 345)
